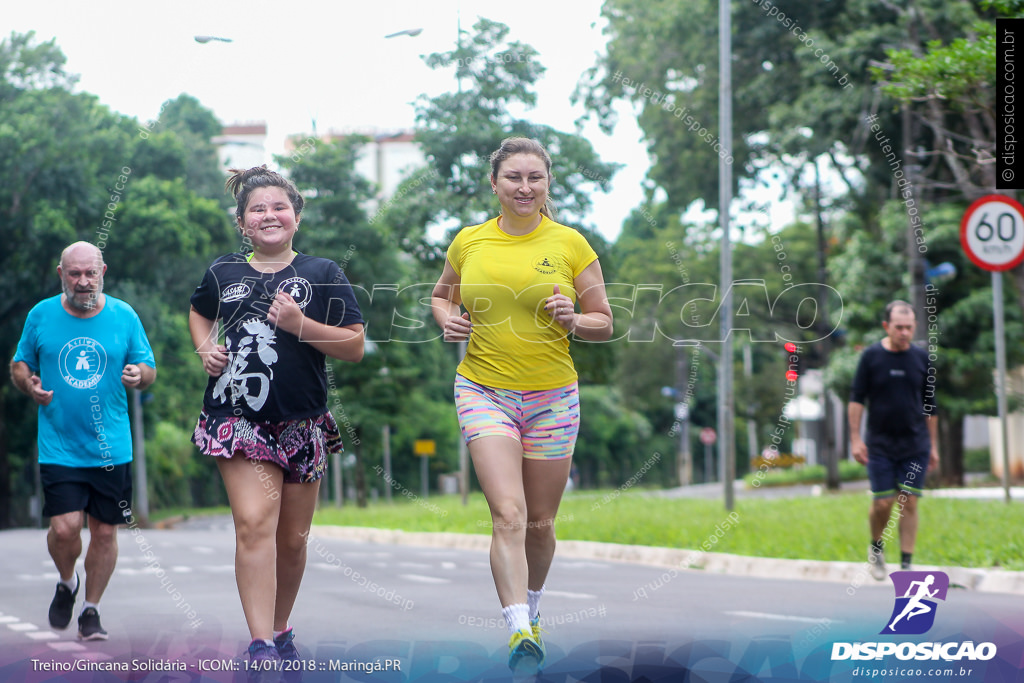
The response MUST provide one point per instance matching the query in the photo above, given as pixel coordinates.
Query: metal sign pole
(1000, 330)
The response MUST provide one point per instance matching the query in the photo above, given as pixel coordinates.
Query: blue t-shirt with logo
(81, 360)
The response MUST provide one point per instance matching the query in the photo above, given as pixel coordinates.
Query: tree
(196, 127)
(399, 381)
(945, 86)
(70, 169)
(457, 133)
(57, 150)
(957, 326)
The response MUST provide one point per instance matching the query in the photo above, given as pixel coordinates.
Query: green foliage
(404, 380)
(942, 74)
(798, 79)
(831, 528)
(70, 169)
(614, 442)
(810, 474)
(170, 456)
(26, 65)
(977, 460)
(458, 131)
(196, 127)
(870, 272)
(961, 72)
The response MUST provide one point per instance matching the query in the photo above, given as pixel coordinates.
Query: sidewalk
(854, 574)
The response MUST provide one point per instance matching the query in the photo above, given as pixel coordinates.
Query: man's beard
(81, 301)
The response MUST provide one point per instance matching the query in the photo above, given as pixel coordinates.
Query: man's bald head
(81, 252)
(81, 272)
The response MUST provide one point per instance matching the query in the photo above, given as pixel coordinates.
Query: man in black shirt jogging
(897, 382)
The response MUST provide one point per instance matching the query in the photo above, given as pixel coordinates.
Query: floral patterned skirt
(299, 447)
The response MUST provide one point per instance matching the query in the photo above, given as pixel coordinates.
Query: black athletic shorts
(103, 492)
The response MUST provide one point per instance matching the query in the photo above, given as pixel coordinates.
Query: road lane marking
(424, 579)
(783, 617)
(567, 594)
(43, 635)
(66, 646)
(23, 626)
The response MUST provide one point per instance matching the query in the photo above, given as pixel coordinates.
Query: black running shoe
(63, 605)
(89, 627)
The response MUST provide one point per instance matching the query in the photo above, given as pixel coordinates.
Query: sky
(292, 63)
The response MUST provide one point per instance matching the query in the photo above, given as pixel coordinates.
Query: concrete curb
(854, 574)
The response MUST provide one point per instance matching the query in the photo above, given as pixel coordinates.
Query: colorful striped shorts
(546, 423)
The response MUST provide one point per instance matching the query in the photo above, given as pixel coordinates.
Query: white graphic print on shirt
(234, 383)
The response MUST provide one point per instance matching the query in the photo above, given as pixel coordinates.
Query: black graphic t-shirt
(271, 376)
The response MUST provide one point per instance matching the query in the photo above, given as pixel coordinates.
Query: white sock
(86, 605)
(277, 634)
(72, 583)
(533, 600)
(517, 617)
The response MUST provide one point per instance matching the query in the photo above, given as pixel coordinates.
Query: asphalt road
(432, 614)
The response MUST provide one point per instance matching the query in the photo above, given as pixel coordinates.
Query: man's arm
(933, 432)
(138, 376)
(859, 450)
(29, 383)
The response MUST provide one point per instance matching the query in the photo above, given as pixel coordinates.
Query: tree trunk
(360, 479)
(951, 450)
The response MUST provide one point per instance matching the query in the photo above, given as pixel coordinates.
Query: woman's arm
(445, 302)
(343, 343)
(594, 321)
(204, 337)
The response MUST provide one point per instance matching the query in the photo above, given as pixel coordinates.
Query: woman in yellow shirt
(519, 277)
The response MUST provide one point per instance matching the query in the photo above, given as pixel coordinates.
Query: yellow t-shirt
(505, 281)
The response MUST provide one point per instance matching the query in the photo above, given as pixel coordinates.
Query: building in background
(385, 160)
(242, 145)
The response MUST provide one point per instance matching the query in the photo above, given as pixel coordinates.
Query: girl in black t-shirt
(265, 415)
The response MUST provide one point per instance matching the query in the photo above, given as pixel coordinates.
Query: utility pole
(141, 508)
(828, 440)
(725, 396)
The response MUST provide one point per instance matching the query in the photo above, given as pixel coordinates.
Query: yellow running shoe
(535, 627)
(525, 653)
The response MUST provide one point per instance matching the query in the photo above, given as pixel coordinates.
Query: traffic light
(792, 361)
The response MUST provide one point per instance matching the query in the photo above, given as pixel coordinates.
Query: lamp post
(684, 467)
(411, 32)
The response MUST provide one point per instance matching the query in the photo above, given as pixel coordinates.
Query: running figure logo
(916, 592)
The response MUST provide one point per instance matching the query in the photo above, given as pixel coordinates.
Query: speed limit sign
(992, 232)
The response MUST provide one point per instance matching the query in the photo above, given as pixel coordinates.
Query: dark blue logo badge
(916, 595)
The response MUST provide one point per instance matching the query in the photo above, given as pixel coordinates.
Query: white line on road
(66, 646)
(42, 635)
(23, 626)
(424, 579)
(567, 594)
(783, 617)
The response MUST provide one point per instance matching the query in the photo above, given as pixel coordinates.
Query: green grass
(967, 533)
